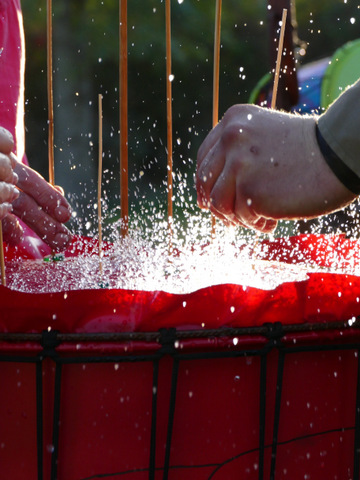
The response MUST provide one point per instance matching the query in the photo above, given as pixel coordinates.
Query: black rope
(279, 383)
(56, 422)
(171, 416)
(284, 442)
(262, 415)
(357, 424)
(263, 330)
(39, 419)
(167, 340)
(153, 420)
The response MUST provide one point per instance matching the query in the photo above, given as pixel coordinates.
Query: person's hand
(41, 206)
(8, 179)
(259, 165)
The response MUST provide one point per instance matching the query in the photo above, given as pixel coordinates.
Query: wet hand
(41, 206)
(258, 166)
(8, 179)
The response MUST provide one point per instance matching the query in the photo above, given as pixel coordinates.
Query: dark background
(86, 59)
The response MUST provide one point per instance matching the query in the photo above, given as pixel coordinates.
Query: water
(148, 260)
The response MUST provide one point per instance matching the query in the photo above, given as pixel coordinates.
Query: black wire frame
(168, 340)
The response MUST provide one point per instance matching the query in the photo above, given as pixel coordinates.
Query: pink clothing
(12, 72)
(12, 69)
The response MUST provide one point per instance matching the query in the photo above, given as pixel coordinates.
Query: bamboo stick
(123, 89)
(278, 60)
(216, 69)
(100, 182)
(2, 257)
(216, 75)
(50, 95)
(275, 89)
(169, 79)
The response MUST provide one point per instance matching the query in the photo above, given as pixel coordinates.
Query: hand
(259, 165)
(41, 206)
(8, 179)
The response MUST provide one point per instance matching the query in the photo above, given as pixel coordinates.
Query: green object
(56, 257)
(343, 70)
(261, 85)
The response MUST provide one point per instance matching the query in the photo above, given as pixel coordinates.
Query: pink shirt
(12, 71)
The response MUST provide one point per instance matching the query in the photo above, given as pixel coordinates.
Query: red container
(261, 404)
(268, 390)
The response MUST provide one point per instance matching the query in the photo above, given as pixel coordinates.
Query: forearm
(340, 128)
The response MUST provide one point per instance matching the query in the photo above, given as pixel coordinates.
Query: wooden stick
(169, 79)
(216, 75)
(123, 76)
(275, 90)
(100, 182)
(50, 95)
(278, 60)
(216, 69)
(2, 258)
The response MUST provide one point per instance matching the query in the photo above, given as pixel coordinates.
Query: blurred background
(86, 63)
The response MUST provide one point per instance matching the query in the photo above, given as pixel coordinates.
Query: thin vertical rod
(50, 95)
(279, 383)
(262, 415)
(216, 69)
(216, 76)
(278, 60)
(275, 85)
(100, 140)
(153, 420)
(39, 419)
(2, 257)
(123, 88)
(171, 418)
(56, 422)
(357, 425)
(169, 79)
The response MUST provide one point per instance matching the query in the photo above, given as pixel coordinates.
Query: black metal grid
(273, 334)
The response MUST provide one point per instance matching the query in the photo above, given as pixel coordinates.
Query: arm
(258, 166)
(340, 128)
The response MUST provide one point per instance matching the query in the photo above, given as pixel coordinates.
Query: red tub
(269, 390)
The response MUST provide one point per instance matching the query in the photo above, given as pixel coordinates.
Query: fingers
(6, 170)
(225, 166)
(207, 175)
(6, 141)
(44, 195)
(245, 212)
(8, 192)
(5, 209)
(228, 202)
(59, 189)
(52, 232)
(12, 230)
(209, 142)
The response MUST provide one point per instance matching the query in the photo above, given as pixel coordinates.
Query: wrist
(344, 173)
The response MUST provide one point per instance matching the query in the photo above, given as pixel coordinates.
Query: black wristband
(346, 176)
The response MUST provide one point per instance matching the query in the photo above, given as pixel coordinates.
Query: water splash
(147, 260)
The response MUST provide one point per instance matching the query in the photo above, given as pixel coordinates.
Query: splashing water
(149, 261)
